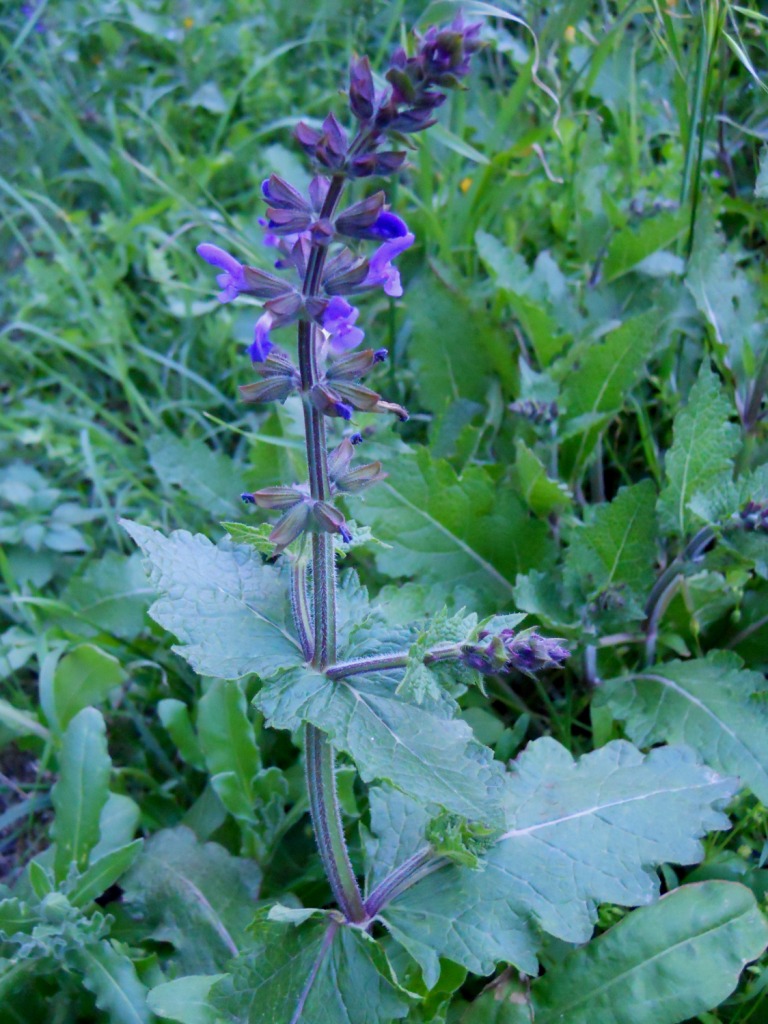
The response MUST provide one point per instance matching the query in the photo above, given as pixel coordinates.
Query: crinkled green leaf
(577, 833)
(660, 965)
(398, 825)
(422, 681)
(701, 456)
(81, 792)
(468, 529)
(615, 549)
(421, 750)
(538, 298)
(321, 973)
(230, 611)
(196, 896)
(727, 298)
(713, 704)
(112, 595)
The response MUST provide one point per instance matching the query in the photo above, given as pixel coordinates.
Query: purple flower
(388, 225)
(380, 269)
(261, 345)
(232, 281)
(338, 319)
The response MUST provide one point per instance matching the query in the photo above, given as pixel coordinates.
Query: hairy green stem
(421, 864)
(396, 659)
(320, 764)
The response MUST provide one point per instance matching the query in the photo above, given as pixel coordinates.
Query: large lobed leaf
(577, 834)
(229, 610)
(660, 965)
(713, 704)
(318, 974)
(420, 750)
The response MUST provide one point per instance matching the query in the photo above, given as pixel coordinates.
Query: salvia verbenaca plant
(464, 864)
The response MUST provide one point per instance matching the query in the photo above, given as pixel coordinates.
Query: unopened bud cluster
(509, 651)
(754, 516)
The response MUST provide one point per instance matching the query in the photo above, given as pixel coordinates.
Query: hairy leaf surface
(230, 611)
(317, 974)
(420, 750)
(616, 548)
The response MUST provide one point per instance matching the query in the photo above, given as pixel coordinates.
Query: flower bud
(280, 498)
(290, 526)
(360, 216)
(278, 193)
(288, 222)
(328, 519)
(355, 364)
(361, 91)
(264, 285)
(274, 389)
(340, 458)
(360, 477)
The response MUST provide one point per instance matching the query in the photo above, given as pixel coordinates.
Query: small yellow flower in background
(570, 34)
(188, 22)
(465, 185)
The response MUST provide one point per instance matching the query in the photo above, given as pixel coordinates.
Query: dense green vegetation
(582, 348)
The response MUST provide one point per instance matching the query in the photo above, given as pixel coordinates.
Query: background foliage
(582, 347)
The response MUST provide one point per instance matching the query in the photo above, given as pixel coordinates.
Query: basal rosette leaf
(421, 750)
(713, 704)
(577, 833)
(660, 965)
(321, 973)
(229, 610)
(195, 896)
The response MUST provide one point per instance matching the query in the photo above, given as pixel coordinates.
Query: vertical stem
(320, 770)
